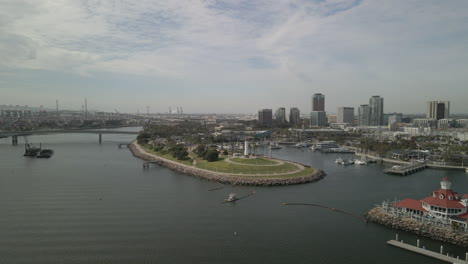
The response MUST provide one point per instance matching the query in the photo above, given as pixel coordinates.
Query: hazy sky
(233, 56)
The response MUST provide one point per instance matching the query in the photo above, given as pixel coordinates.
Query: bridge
(15, 134)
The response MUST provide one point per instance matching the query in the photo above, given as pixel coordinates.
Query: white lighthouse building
(246, 148)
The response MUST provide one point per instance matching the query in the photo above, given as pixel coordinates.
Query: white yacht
(325, 145)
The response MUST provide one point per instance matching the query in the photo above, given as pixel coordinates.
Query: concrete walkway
(278, 163)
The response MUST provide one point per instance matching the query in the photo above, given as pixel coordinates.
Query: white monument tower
(246, 149)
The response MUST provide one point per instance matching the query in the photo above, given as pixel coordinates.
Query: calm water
(93, 203)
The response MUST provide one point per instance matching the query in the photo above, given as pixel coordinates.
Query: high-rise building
(318, 118)
(294, 116)
(265, 117)
(331, 118)
(318, 102)
(345, 115)
(392, 118)
(438, 110)
(363, 115)
(376, 104)
(280, 115)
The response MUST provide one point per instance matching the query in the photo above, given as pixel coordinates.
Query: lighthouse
(246, 149)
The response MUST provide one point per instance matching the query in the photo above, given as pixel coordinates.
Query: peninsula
(258, 171)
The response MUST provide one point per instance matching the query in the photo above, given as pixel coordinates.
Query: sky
(233, 56)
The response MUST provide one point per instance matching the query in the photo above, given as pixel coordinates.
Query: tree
(200, 151)
(211, 155)
(178, 151)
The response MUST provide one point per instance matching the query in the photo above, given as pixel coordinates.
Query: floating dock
(427, 253)
(406, 170)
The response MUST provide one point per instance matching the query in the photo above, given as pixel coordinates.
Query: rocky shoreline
(423, 229)
(224, 178)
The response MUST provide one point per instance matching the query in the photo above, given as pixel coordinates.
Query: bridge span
(15, 134)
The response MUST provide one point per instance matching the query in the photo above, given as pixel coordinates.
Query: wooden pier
(428, 253)
(408, 169)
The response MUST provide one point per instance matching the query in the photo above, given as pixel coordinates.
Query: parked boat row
(362, 161)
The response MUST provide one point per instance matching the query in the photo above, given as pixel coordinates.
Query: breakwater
(451, 236)
(225, 178)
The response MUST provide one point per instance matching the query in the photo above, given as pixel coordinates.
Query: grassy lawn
(186, 161)
(226, 167)
(256, 161)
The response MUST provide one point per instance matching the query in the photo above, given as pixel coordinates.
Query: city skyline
(233, 57)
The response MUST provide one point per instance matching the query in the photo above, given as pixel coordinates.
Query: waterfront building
(415, 131)
(445, 123)
(318, 119)
(294, 116)
(265, 117)
(345, 115)
(461, 123)
(363, 115)
(438, 110)
(280, 115)
(444, 206)
(425, 122)
(376, 105)
(318, 102)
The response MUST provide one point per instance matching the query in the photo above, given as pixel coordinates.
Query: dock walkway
(408, 169)
(426, 252)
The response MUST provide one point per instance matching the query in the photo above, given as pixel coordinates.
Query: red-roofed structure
(444, 205)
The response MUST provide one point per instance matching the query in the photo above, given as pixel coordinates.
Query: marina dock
(406, 170)
(428, 253)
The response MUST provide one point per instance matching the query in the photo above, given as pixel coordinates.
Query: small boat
(360, 162)
(348, 162)
(302, 145)
(274, 146)
(45, 153)
(396, 167)
(232, 197)
(466, 170)
(339, 161)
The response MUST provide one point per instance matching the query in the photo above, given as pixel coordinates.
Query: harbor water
(94, 203)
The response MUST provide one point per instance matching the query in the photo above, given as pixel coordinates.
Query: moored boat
(274, 146)
(45, 153)
(231, 198)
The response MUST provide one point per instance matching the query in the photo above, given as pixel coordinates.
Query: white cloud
(313, 46)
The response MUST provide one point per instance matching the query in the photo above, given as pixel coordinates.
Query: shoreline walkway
(278, 163)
